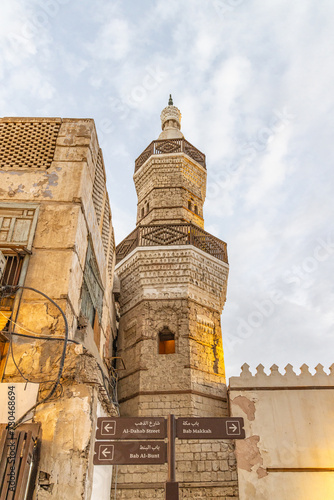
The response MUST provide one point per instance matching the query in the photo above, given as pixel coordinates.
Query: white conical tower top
(171, 121)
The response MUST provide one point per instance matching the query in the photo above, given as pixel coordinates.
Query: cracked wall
(48, 208)
(288, 450)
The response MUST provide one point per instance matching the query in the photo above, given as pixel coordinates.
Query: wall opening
(166, 341)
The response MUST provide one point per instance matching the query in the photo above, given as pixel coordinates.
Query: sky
(254, 82)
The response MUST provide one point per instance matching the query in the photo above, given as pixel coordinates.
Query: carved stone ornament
(170, 113)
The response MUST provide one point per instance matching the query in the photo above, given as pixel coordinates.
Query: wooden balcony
(172, 234)
(170, 146)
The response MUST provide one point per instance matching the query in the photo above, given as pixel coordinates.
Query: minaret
(173, 278)
(169, 194)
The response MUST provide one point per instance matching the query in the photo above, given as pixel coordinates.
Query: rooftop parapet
(260, 380)
(172, 234)
(170, 146)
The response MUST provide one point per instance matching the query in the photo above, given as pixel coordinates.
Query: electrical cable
(41, 337)
(62, 358)
(25, 329)
(12, 356)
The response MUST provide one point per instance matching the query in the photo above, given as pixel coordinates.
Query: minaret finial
(170, 121)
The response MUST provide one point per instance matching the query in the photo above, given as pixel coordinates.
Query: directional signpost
(119, 440)
(131, 428)
(210, 428)
(131, 452)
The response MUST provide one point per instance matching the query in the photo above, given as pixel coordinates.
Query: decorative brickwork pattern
(106, 227)
(111, 259)
(99, 187)
(172, 273)
(176, 234)
(28, 144)
(108, 238)
(172, 186)
(170, 146)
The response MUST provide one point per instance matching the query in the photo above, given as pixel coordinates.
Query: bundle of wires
(8, 291)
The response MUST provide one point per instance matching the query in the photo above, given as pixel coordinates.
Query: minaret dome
(171, 122)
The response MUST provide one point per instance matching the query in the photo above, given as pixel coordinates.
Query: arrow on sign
(108, 427)
(105, 452)
(233, 427)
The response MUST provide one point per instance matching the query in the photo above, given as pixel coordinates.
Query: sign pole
(172, 488)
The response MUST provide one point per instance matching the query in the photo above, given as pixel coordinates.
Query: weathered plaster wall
(67, 215)
(289, 447)
(68, 419)
(65, 188)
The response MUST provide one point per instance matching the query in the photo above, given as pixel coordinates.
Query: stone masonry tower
(172, 276)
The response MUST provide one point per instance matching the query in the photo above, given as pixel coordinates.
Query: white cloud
(113, 41)
(228, 72)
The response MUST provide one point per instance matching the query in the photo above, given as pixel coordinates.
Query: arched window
(147, 207)
(196, 209)
(189, 205)
(142, 212)
(166, 341)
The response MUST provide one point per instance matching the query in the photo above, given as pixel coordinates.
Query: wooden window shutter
(19, 457)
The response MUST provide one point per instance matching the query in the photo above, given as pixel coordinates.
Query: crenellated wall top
(289, 379)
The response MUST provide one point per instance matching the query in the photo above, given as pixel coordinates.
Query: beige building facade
(57, 242)
(288, 452)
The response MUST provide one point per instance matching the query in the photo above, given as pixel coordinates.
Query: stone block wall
(205, 469)
(169, 187)
(184, 289)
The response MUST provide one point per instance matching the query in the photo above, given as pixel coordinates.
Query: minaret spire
(171, 121)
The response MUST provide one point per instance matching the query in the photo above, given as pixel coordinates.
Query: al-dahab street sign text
(131, 428)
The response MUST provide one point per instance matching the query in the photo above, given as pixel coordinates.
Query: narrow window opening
(10, 270)
(189, 205)
(166, 341)
(142, 212)
(196, 209)
(147, 208)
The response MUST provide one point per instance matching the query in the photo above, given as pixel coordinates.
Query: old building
(58, 256)
(173, 276)
(289, 447)
(88, 331)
